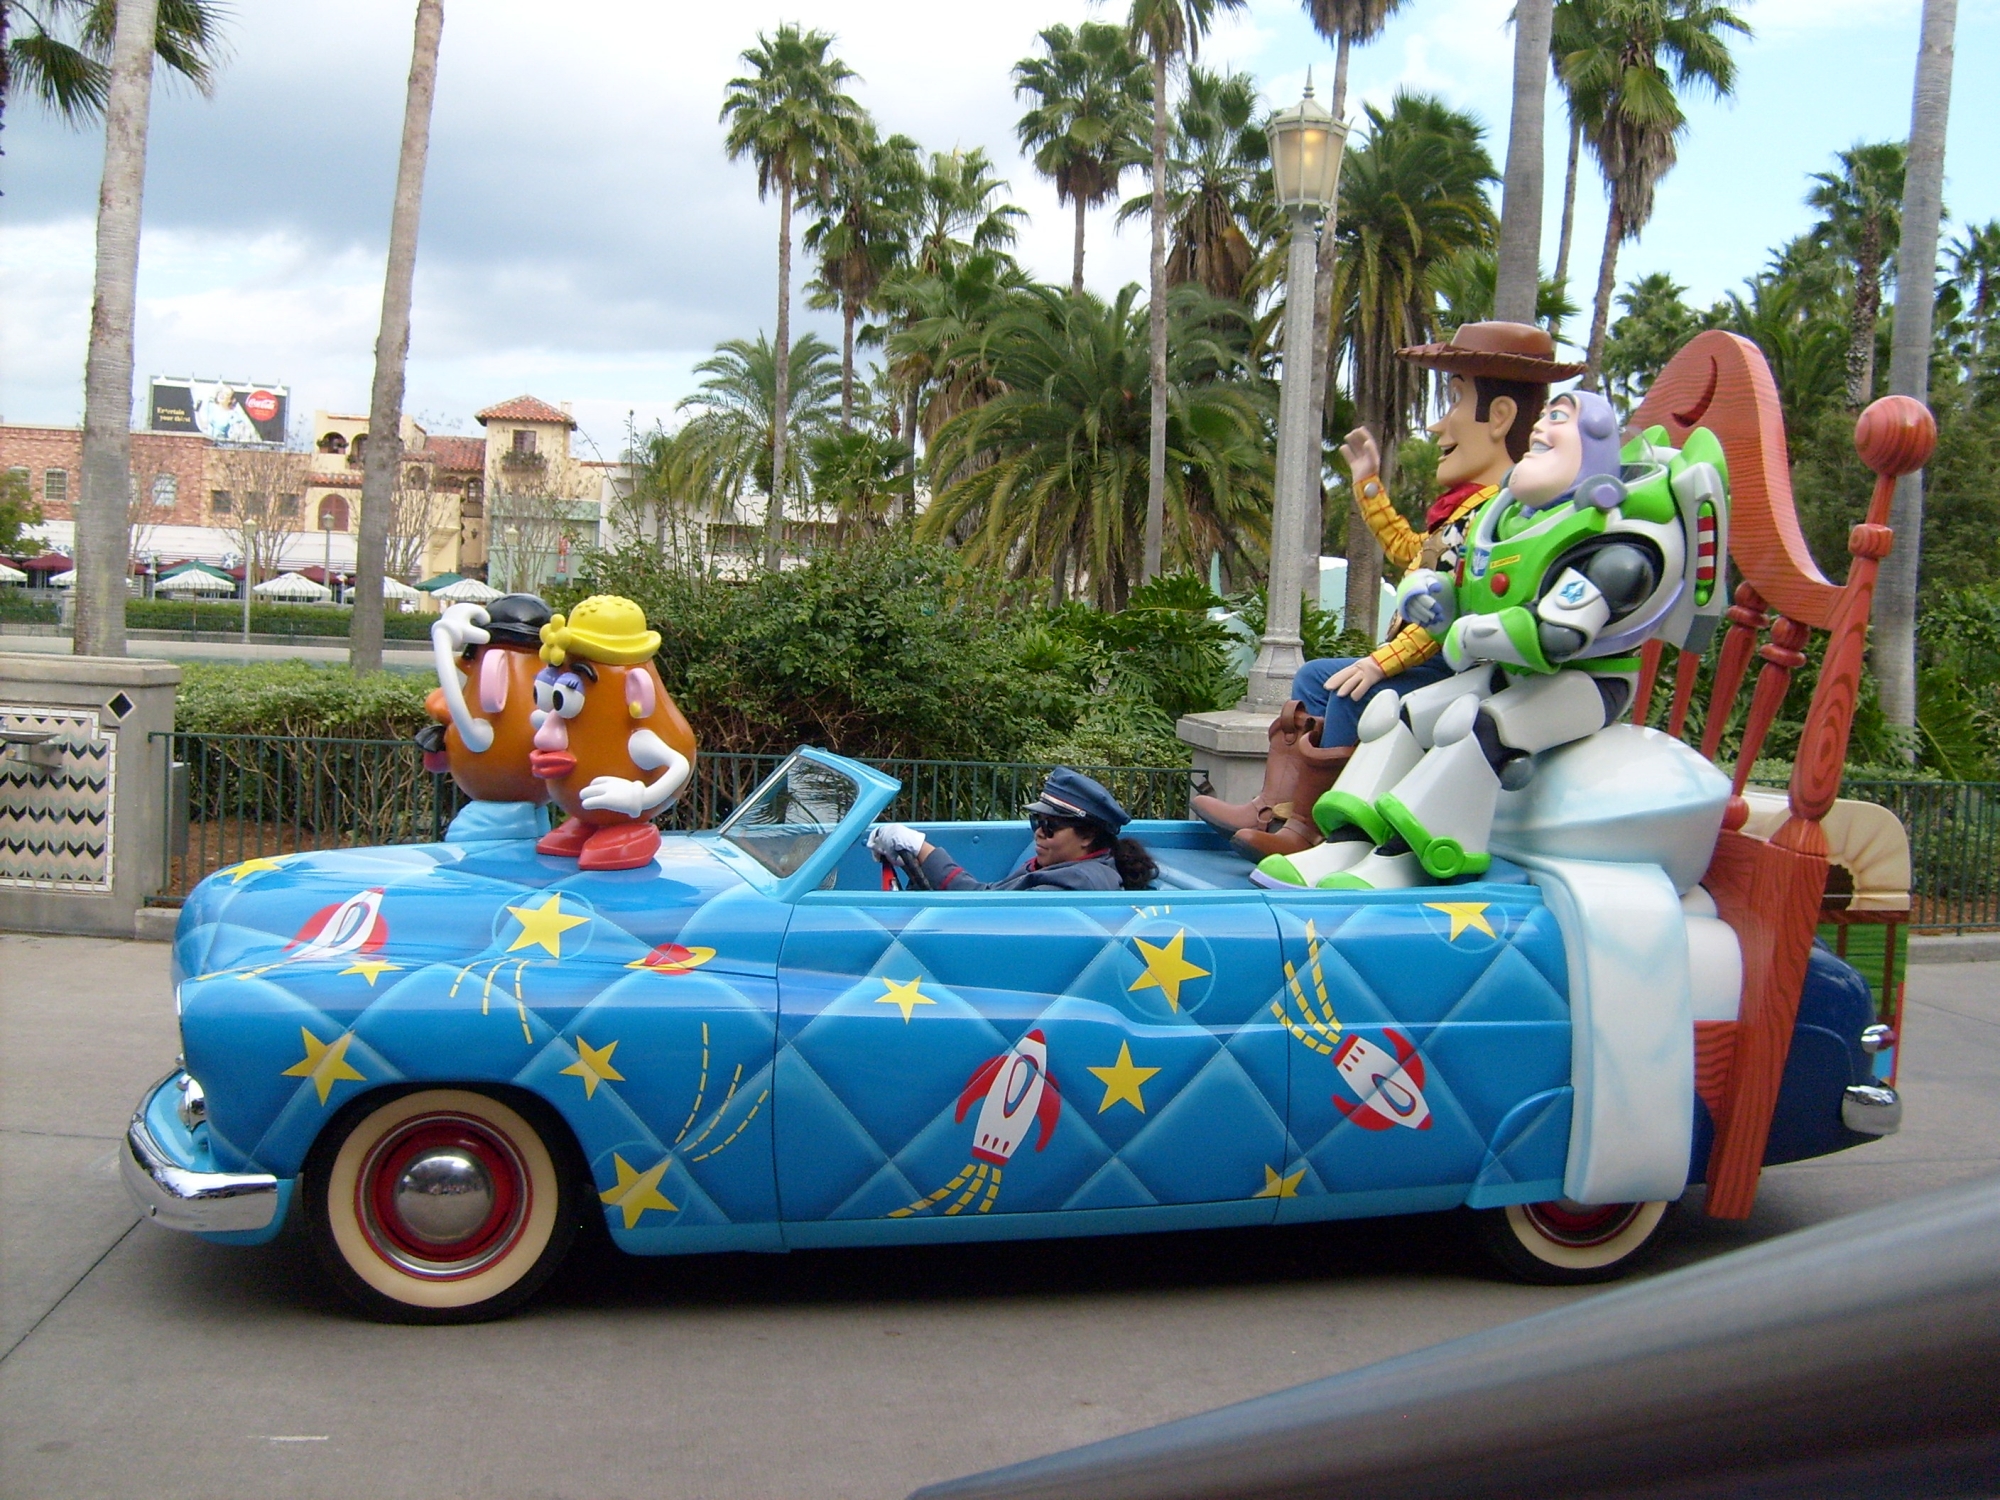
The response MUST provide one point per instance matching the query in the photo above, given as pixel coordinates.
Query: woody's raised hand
(1364, 459)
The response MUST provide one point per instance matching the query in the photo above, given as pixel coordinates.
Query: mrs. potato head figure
(611, 745)
(491, 652)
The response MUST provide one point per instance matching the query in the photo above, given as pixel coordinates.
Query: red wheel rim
(472, 1150)
(1580, 1225)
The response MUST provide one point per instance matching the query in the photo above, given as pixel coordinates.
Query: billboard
(228, 411)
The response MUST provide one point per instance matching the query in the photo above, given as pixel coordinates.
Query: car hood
(416, 905)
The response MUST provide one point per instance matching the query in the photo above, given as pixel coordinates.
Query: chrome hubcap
(444, 1196)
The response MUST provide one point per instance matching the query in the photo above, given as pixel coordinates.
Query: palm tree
(1170, 31)
(862, 233)
(1861, 207)
(933, 352)
(790, 116)
(1468, 282)
(1219, 197)
(383, 461)
(1519, 257)
(1631, 118)
(1975, 276)
(1047, 476)
(60, 50)
(729, 443)
(1090, 91)
(1413, 198)
(1655, 325)
(957, 215)
(1894, 652)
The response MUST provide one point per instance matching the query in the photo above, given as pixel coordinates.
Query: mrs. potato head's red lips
(550, 764)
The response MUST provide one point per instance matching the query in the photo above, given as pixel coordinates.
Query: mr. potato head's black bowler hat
(517, 620)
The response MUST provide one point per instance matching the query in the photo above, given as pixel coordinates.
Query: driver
(1077, 847)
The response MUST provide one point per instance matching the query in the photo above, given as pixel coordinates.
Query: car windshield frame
(871, 792)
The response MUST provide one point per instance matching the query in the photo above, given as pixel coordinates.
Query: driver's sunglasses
(1046, 823)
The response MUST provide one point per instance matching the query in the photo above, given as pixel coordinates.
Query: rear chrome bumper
(1871, 1109)
(176, 1195)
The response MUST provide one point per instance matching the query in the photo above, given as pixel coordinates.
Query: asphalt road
(136, 1362)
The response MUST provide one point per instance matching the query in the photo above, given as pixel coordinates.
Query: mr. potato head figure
(611, 746)
(484, 739)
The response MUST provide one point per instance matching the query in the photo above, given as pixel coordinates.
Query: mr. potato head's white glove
(887, 840)
(460, 626)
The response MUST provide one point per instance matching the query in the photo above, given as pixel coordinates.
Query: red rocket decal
(1391, 1089)
(355, 925)
(1016, 1088)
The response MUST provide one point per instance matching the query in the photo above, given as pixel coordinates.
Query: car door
(1429, 1037)
(954, 1059)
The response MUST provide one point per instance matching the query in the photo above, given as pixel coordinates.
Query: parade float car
(445, 1056)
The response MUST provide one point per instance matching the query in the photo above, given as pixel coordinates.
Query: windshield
(791, 814)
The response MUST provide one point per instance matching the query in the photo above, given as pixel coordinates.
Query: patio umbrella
(194, 579)
(11, 575)
(292, 586)
(467, 591)
(395, 588)
(63, 580)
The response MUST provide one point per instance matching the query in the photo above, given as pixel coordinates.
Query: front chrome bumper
(177, 1196)
(1871, 1109)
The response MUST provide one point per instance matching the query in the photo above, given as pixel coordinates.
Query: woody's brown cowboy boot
(1274, 803)
(1317, 770)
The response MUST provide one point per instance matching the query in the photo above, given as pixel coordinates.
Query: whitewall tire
(1563, 1243)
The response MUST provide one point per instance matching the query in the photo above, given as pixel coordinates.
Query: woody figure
(1497, 382)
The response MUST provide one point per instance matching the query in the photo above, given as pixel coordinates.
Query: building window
(524, 440)
(288, 507)
(333, 442)
(55, 486)
(166, 491)
(221, 503)
(356, 449)
(333, 513)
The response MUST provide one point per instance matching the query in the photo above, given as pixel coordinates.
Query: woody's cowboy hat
(1498, 351)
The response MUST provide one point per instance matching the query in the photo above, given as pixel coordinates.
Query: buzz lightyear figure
(1586, 554)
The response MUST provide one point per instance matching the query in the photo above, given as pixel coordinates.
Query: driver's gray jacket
(1098, 872)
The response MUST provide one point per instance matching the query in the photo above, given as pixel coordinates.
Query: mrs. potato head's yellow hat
(603, 628)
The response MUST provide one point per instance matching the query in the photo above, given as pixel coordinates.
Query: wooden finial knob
(1895, 435)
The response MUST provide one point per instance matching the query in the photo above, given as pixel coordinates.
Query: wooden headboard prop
(1770, 892)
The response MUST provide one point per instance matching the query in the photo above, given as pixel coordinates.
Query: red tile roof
(466, 453)
(338, 480)
(524, 409)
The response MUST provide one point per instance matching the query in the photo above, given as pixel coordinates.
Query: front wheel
(1561, 1243)
(440, 1206)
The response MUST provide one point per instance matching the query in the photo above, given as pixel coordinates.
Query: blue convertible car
(446, 1055)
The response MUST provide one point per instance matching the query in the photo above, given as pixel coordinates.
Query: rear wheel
(1561, 1243)
(440, 1206)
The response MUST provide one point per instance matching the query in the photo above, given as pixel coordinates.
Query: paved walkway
(397, 656)
(136, 1362)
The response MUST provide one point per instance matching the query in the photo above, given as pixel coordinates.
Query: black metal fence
(1954, 829)
(234, 797)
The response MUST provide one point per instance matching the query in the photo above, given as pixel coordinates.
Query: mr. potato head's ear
(640, 699)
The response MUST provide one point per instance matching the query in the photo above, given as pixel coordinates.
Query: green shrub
(16, 604)
(300, 700)
(265, 619)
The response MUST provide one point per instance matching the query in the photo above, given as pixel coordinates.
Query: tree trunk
(846, 364)
(1520, 255)
(1861, 322)
(1076, 265)
(382, 463)
(774, 510)
(1322, 371)
(103, 512)
(1895, 616)
(1156, 318)
(1600, 313)
(1569, 203)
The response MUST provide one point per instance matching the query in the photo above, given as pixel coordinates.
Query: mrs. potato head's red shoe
(623, 846)
(567, 841)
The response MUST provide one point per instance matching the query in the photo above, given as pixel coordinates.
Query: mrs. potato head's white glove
(887, 840)
(462, 625)
(616, 794)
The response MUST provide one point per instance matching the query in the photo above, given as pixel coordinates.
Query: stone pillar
(83, 790)
(1228, 748)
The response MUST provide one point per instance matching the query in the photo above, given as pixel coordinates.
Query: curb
(155, 924)
(1966, 948)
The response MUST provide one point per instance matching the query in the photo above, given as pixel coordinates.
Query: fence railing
(234, 797)
(1954, 829)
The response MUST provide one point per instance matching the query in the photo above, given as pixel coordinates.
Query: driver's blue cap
(1071, 794)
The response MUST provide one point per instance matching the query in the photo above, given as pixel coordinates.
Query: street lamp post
(326, 552)
(249, 577)
(1306, 144)
(513, 535)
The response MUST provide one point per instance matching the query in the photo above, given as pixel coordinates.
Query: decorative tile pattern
(56, 824)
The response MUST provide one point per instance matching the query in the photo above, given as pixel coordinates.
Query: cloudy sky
(584, 238)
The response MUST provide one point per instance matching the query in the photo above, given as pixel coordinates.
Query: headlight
(193, 1104)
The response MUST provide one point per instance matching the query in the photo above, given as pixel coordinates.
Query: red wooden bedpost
(1782, 657)
(1649, 673)
(1686, 670)
(1746, 618)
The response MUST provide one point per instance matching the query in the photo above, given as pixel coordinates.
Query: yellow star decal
(1277, 1186)
(251, 867)
(1122, 1081)
(544, 924)
(371, 969)
(1166, 968)
(1464, 914)
(637, 1191)
(903, 993)
(325, 1063)
(593, 1066)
